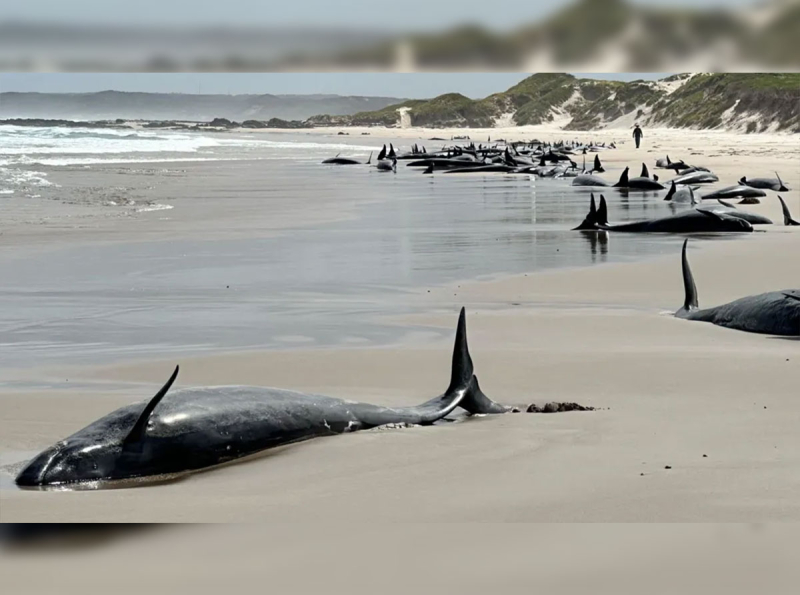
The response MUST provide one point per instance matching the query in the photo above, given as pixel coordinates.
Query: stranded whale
(773, 313)
(640, 183)
(688, 221)
(196, 428)
(775, 183)
(346, 161)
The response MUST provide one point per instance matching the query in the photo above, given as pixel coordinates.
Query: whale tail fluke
(463, 379)
(461, 370)
(475, 401)
(602, 212)
(590, 221)
(690, 289)
(787, 216)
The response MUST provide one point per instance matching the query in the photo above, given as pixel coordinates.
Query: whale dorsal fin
(781, 187)
(671, 191)
(597, 165)
(791, 295)
(623, 179)
(137, 433)
(645, 172)
(602, 212)
(689, 288)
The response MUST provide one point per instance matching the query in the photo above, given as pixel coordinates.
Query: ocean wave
(22, 177)
(26, 160)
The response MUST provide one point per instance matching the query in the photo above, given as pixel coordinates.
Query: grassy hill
(748, 102)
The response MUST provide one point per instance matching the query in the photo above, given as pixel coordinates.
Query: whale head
(114, 447)
(71, 461)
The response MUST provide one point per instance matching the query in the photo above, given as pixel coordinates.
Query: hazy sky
(411, 85)
(408, 14)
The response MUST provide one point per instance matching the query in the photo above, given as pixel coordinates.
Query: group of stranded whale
(530, 158)
(198, 428)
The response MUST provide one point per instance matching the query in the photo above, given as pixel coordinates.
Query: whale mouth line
(82, 485)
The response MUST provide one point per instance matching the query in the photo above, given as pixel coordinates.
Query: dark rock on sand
(49, 123)
(558, 408)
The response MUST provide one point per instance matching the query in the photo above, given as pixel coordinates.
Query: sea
(328, 282)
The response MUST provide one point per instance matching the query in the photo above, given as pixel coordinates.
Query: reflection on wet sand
(595, 239)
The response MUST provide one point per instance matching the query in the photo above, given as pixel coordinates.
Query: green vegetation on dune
(701, 101)
(604, 101)
(453, 109)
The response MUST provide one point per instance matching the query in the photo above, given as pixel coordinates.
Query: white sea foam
(23, 177)
(154, 207)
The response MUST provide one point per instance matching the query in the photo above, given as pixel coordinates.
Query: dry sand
(671, 391)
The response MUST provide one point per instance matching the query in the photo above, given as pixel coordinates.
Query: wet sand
(669, 392)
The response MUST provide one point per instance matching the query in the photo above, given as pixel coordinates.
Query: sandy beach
(695, 423)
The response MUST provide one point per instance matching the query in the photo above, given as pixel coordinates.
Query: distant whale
(640, 183)
(696, 177)
(387, 165)
(773, 313)
(346, 161)
(197, 428)
(775, 183)
(684, 194)
(735, 192)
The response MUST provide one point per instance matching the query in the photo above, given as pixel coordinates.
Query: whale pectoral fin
(137, 433)
(794, 296)
(725, 204)
(711, 214)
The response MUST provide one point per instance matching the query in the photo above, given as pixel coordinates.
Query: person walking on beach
(637, 135)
